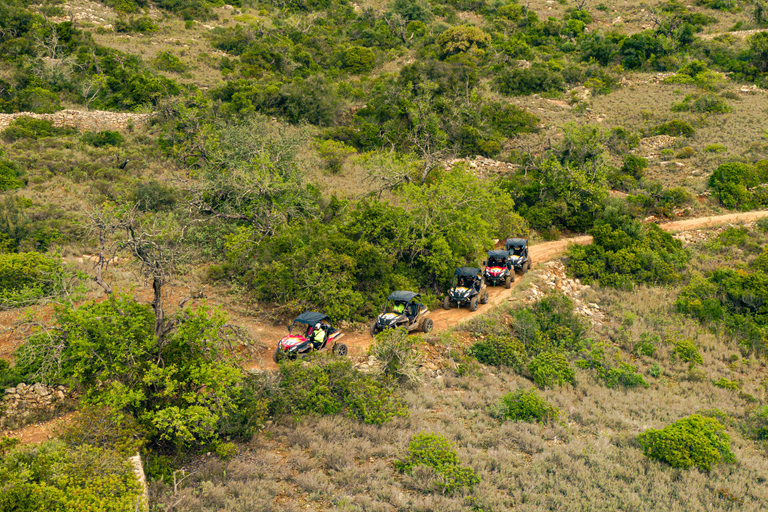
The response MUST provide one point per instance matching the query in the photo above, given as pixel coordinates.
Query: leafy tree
(462, 39)
(177, 386)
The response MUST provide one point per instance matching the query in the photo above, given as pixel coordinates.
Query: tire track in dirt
(358, 343)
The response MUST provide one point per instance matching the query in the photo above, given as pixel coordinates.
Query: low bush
(53, 476)
(330, 386)
(436, 452)
(704, 104)
(500, 351)
(687, 351)
(724, 383)
(675, 128)
(29, 277)
(25, 127)
(715, 148)
(166, 61)
(526, 406)
(740, 185)
(695, 441)
(611, 370)
(103, 138)
(647, 345)
(9, 175)
(550, 370)
(397, 352)
(142, 24)
(756, 425)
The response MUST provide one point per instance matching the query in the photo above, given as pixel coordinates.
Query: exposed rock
(23, 400)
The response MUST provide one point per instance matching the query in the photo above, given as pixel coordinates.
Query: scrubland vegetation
(301, 156)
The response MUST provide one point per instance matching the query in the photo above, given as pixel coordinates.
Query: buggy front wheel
(374, 329)
(447, 303)
(426, 325)
(508, 281)
(277, 355)
(473, 304)
(340, 349)
(484, 299)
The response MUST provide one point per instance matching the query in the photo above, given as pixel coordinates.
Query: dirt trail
(358, 343)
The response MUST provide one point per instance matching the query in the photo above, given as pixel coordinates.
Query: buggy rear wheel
(484, 299)
(508, 281)
(526, 266)
(277, 355)
(473, 304)
(447, 303)
(374, 329)
(340, 349)
(426, 325)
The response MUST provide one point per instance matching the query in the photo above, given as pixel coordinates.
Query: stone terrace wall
(24, 400)
(91, 120)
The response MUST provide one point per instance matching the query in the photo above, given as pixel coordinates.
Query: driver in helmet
(399, 307)
(318, 336)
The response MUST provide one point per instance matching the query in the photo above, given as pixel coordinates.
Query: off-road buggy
(403, 309)
(303, 335)
(499, 269)
(518, 254)
(467, 288)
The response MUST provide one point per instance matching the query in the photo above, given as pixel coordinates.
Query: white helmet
(317, 325)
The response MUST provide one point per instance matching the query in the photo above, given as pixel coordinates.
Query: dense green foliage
(527, 406)
(178, 387)
(29, 277)
(612, 370)
(333, 386)
(694, 441)
(741, 185)
(436, 452)
(544, 336)
(731, 299)
(632, 253)
(53, 476)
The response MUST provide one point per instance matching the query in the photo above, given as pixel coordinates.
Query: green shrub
(715, 148)
(526, 406)
(687, 351)
(675, 128)
(358, 59)
(655, 370)
(397, 352)
(25, 127)
(686, 152)
(724, 383)
(38, 101)
(647, 344)
(614, 372)
(9, 175)
(166, 61)
(634, 253)
(695, 441)
(735, 184)
(52, 477)
(436, 452)
(135, 24)
(551, 370)
(330, 387)
(334, 154)
(499, 351)
(757, 423)
(705, 104)
(103, 138)
(106, 428)
(151, 195)
(522, 81)
(28, 277)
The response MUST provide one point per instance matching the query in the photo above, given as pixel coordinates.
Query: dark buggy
(518, 254)
(403, 309)
(499, 269)
(467, 288)
(309, 331)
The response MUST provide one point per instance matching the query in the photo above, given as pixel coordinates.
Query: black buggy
(518, 254)
(467, 288)
(499, 269)
(309, 331)
(403, 309)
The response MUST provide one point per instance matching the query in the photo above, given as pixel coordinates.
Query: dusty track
(358, 343)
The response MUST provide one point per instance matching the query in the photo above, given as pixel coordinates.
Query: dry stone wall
(90, 120)
(25, 400)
